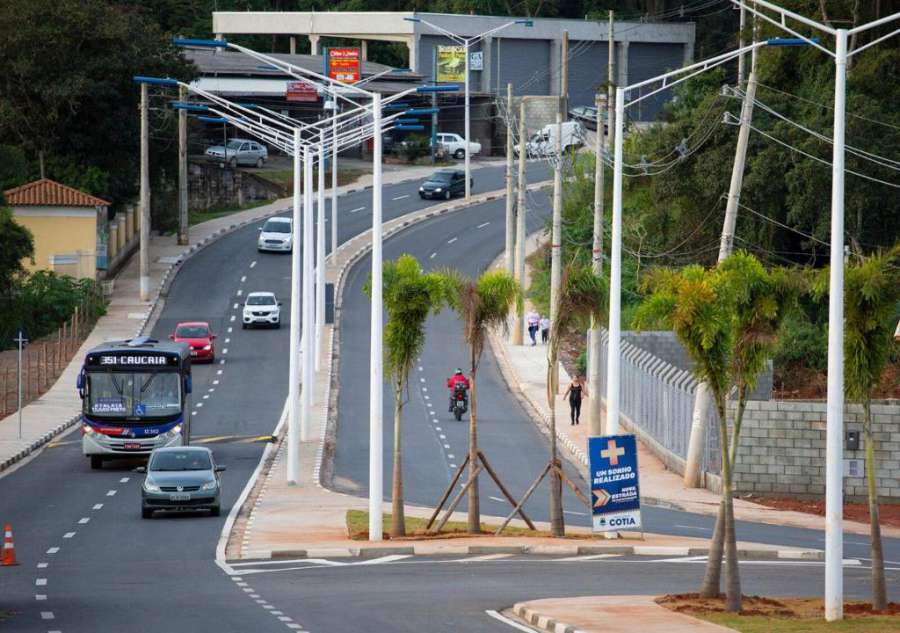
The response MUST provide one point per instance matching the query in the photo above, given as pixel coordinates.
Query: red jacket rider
(458, 377)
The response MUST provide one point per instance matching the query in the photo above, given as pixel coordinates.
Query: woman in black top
(575, 392)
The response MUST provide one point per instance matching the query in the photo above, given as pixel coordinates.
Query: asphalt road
(106, 569)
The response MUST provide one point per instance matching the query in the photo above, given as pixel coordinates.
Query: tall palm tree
(871, 294)
(409, 297)
(482, 303)
(728, 319)
(582, 298)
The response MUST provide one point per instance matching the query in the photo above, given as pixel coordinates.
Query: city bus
(135, 397)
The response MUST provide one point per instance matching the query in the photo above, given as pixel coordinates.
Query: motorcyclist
(457, 378)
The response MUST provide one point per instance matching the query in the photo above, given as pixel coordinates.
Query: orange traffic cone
(9, 549)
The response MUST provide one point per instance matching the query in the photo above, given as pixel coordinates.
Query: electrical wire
(824, 105)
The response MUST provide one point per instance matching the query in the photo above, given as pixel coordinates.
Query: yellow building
(69, 227)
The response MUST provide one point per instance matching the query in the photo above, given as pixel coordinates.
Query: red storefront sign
(301, 91)
(343, 64)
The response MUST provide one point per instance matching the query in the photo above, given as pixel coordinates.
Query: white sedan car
(456, 145)
(261, 308)
(277, 234)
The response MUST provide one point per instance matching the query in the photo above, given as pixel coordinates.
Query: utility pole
(145, 194)
(519, 324)
(293, 448)
(320, 252)
(702, 396)
(20, 340)
(564, 76)
(510, 213)
(183, 238)
(595, 403)
(742, 24)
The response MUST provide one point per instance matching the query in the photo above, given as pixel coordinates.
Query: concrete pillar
(122, 237)
(314, 48)
(688, 53)
(555, 65)
(622, 79)
(131, 219)
(364, 50)
(293, 44)
(112, 244)
(488, 80)
(412, 45)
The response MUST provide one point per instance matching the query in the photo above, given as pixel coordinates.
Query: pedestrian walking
(534, 321)
(545, 329)
(575, 392)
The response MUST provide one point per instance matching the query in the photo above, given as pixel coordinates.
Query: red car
(198, 337)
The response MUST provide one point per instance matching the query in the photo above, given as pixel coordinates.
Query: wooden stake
(575, 489)
(503, 489)
(473, 479)
(521, 503)
(447, 492)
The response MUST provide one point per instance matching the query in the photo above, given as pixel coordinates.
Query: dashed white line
(452, 465)
(68, 534)
(216, 382)
(481, 226)
(229, 329)
(199, 404)
(84, 520)
(357, 210)
(452, 239)
(52, 550)
(422, 379)
(225, 350)
(401, 197)
(424, 389)
(123, 480)
(46, 615)
(236, 306)
(42, 565)
(243, 278)
(432, 256)
(449, 456)
(218, 373)
(253, 263)
(40, 596)
(277, 612)
(211, 389)
(97, 506)
(110, 493)
(227, 340)
(222, 362)
(446, 446)
(240, 292)
(421, 368)
(232, 318)
(40, 582)
(442, 436)
(206, 396)
(437, 428)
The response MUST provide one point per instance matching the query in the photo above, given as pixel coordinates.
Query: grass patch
(786, 615)
(358, 527)
(196, 217)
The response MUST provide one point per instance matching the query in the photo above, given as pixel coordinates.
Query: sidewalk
(525, 368)
(59, 409)
(277, 520)
(609, 614)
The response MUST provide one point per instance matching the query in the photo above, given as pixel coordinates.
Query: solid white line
(692, 527)
(52, 550)
(123, 480)
(507, 621)
(401, 197)
(481, 226)
(576, 559)
(84, 520)
(578, 514)
(97, 506)
(68, 534)
(475, 559)
(451, 240)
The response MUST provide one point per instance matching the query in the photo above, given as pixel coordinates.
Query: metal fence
(658, 398)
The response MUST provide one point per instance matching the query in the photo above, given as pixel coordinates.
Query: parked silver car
(239, 151)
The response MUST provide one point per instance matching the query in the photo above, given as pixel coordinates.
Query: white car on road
(456, 145)
(277, 234)
(261, 308)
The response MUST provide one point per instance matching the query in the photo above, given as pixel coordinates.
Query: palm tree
(409, 297)
(728, 319)
(481, 303)
(582, 298)
(871, 293)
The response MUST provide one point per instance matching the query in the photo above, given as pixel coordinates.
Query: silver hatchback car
(181, 478)
(239, 151)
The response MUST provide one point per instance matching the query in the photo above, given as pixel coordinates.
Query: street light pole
(183, 238)
(615, 276)
(468, 123)
(308, 319)
(595, 404)
(145, 194)
(519, 326)
(334, 180)
(20, 340)
(510, 182)
(320, 252)
(376, 369)
(293, 448)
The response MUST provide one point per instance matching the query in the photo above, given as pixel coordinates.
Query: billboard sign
(301, 91)
(451, 63)
(615, 494)
(343, 64)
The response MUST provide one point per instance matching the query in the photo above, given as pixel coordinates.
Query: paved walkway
(609, 614)
(58, 409)
(526, 368)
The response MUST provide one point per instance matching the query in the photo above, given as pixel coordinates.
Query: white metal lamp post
(466, 43)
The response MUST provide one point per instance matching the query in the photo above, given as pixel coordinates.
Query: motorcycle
(460, 401)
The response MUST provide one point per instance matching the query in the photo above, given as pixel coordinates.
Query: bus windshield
(127, 395)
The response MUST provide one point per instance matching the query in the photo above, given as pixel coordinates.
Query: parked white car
(261, 308)
(543, 143)
(456, 145)
(239, 151)
(277, 234)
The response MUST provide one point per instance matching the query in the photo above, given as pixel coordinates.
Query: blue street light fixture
(409, 128)
(155, 81)
(212, 119)
(183, 41)
(422, 111)
(190, 107)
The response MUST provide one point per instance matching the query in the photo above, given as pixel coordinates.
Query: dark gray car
(181, 478)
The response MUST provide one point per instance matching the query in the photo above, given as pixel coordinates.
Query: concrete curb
(542, 622)
(38, 443)
(438, 548)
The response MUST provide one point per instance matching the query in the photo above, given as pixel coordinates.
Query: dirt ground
(889, 513)
(692, 603)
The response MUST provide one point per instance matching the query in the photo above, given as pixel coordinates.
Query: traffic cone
(9, 549)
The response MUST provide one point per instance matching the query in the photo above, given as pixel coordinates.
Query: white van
(543, 143)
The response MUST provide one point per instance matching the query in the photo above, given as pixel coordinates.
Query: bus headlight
(175, 430)
(86, 429)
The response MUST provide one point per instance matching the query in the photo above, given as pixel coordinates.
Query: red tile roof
(49, 193)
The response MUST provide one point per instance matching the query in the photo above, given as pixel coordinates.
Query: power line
(824, 105)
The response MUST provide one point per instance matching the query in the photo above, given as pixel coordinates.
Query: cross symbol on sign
(612, 452)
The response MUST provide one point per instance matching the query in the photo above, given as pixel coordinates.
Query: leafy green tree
(409, 297)
(16, 245)
(482, 303)
(728, 319)
(871, 296)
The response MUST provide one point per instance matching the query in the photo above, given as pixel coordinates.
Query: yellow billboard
(451, 63)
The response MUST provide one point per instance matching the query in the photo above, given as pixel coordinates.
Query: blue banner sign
(615, 494)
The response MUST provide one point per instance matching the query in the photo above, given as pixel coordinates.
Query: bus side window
(188, 386)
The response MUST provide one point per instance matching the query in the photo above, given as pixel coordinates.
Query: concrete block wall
(783, 449)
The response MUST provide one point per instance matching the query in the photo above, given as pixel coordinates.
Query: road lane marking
(253, 263)
(46, 615)
(216, 382)
(42, 565)
(481, 226)
(225, 350)
(443, 437)
(236, 305)
(229, 329)
(232, 318)
(497, 499)
(451, 240)
(84, 520)
(97, 506)
(357, 210)
(578, 514)
(437, 428)
(475, 559)
(383, 559)
(452, 465)
(40, 596)
(508, 622)
(211, 389)
(243, 278)
(578, 559)
(198, 405)
(222, 362)
(52, 550)
(422, 379)
(227, 340)
(206, 396)
(110, 493)
(40, 582)
(432, 256)
(401, 197)
(451, 456)
(421, 368)
(123, 480)
(240, 292)
(218, 373)
(446, 446)
(68, 534)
